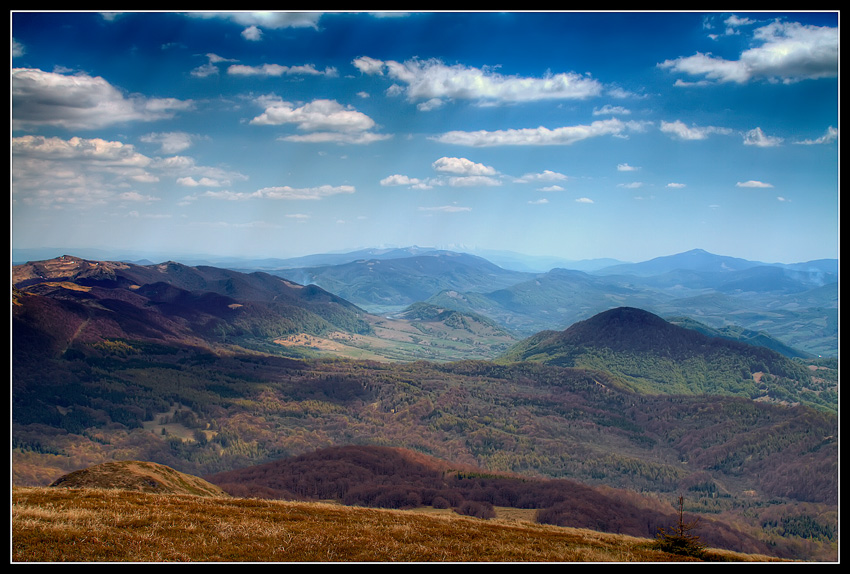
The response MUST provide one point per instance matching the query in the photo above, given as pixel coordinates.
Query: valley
(211, 371)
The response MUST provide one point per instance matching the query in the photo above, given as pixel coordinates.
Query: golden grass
(98, 525)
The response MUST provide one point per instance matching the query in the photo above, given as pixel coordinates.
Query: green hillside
(651, 355)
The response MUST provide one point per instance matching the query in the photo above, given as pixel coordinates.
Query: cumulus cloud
(433, 81)
(252, 34)
(782, 52)
(80, 101)
(537, 136)
(210, 68)
(267, 20)
(542, 177)
(55, 172)
(369, 66)
(681, 131)
(462, 166)
(284, 192)
(276, 70)
(309, 193)
(96, 150)
(17, 49)
(327, 120)
(169, 142)
(463, 172)
(453, 172)
(52, 172)
(758, 138)
(202, 182)
(611, 110)
(753, 183)
(398, 179)
(472, 181)
(830, 136)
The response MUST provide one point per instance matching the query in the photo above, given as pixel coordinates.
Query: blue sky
(576, 135)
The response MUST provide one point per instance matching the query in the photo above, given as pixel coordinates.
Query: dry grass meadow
(109, 525)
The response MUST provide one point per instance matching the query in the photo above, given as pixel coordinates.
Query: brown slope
(138, 476)
(387, 477)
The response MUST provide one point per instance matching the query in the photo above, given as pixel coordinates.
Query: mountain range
(209, 370)
(794, 303)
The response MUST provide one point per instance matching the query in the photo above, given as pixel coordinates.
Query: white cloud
(535, 136)
(679, 130)
(462, 166)
(830, 136)
(431, 105)
(136, 197)
(267, 20)
(544, 176)
(179, 166)
(785, 52)
(758, 138)
(626, 167)
(284, 192)
(202, 182)
(753, 183)
(316, 115)
(473, 181)
(369, 66)
(328, 120)
(210, 68)
(431, 80)
(52, 172)
(398, 179)
(252, 34)
(169, 142)
(96, 150)
(80, 101)
(276, 70)
(311, 193)
(446, 209)
(17, 49)
(611, 110)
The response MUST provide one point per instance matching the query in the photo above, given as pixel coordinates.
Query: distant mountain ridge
(404, 280)
(796, 305)
(172, 301)
(704, 261)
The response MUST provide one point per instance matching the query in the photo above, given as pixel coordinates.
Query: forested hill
(652, 355)
(385, 477)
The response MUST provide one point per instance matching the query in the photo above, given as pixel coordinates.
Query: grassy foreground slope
(97, 525)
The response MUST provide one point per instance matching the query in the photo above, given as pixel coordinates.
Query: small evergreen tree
(680, 539)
